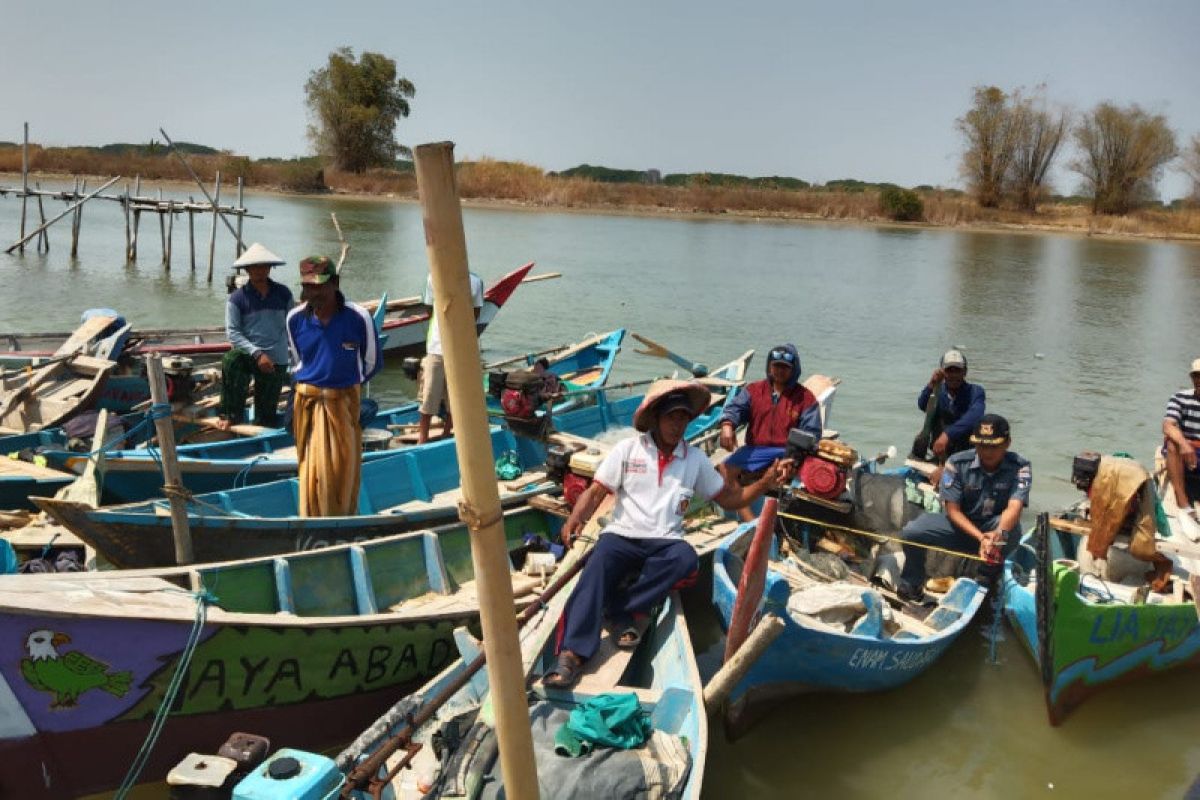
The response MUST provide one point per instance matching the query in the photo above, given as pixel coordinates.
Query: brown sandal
(565, 673)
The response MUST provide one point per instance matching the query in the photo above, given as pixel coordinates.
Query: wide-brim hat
(257, 255)
(697, 395)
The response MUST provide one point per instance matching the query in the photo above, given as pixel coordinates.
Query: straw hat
(691, 395)
(257, 255)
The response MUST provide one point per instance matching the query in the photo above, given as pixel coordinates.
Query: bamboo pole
(137, 216)
(162, 231)
(238, 246)
(731, 673)
(43, 237)
(24, 181)
(173, 486)
(192, 235)
(66, 211)
(214, 202)
(78, 220)
(170, 231)
(212, 239)
(446, 246)
(125, 205)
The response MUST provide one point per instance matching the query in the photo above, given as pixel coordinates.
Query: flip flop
(630, 636)
(565, 673)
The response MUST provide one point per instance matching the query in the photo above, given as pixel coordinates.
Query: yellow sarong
(329, 449)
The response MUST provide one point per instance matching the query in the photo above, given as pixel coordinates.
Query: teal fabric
(508, 467)
(8, 558)
(609, 720)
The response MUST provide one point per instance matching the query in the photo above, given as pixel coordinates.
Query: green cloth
(609, 720)
(508, 467)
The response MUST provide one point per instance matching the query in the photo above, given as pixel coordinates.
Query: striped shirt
(1184, 410)
(345, 352)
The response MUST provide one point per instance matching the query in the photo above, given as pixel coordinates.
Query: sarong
(329, 449)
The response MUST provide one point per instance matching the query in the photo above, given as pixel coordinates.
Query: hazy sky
(816, 91)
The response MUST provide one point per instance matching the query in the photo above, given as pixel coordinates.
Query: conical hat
(697, 393)
(256, 255)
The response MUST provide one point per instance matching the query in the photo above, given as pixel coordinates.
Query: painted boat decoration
(306, 648)
(406, 326)
(1086, 634)
(812, 655)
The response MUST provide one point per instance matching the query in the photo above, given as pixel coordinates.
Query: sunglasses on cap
(782, 355)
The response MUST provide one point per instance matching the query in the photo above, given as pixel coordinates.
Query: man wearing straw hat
(983, 492)
(655, 476)
(334, 351)
(256, 324)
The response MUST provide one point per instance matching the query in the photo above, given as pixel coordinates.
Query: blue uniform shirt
(980, 495)
(959, 413)
(257, 324)
(343, 353)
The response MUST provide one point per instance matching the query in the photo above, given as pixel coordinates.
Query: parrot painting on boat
(68, 675)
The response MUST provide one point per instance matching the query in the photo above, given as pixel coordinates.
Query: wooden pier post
(170, 230)
(446, 245)
(80, 190)
(212, 237)
(238, 247)
(173, 486)
(192, 232)
(43, 237)
(66, 211)
(162, 230)
(128, 241)
(24, 180)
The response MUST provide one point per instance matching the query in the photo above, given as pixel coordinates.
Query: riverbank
(520, 186)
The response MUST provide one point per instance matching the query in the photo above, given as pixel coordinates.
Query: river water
(1078, 341)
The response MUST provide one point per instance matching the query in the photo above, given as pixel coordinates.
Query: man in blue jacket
(256, 324)
(960, 406)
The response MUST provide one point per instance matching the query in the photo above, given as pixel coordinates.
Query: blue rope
(239, 480)
(157, 411)
(203, 599)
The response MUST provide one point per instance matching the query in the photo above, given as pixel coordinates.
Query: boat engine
(824, 464)
(180, 384)
(522, 392)
(1083, 470)
(574, 466)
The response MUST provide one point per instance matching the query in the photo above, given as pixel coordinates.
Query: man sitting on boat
(959, 407)
(1181, 442)
(983, 492)
(256, 324)
(769, 408)
(433, 396)
(654, 476)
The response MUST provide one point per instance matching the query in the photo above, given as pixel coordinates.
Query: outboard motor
(178, 371)
(574, 466)
(1083, 470)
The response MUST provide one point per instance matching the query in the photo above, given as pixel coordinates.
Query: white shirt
(433, 343)
(651, 505)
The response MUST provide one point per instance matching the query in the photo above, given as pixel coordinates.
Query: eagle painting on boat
(69, 675)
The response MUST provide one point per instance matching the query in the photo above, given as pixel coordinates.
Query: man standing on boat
(256, 325)
(769, 409)
(1181, 444)
(983, 492)
(334, 351)
(433, 368)
(654, 477)
(958, 408)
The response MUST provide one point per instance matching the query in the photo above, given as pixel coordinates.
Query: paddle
(920, 445)
(753, 579)
(653, 348)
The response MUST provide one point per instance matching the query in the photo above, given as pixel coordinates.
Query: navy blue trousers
(936, 530)
(658, 563)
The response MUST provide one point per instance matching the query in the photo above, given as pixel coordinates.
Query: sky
(817, 91)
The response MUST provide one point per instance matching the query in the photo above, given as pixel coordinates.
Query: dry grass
(490, 179)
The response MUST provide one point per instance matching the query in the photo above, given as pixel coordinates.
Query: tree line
(1013, 139)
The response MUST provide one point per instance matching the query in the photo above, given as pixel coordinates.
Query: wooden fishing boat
(870, 648)
(579, 365)
(661, 673)
(1086, 633)
(305, 648)
(406, 326)
(50, 394)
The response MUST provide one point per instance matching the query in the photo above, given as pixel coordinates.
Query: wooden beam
(68, 210)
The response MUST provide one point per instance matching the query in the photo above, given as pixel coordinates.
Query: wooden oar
(753, 579)
(653, 348)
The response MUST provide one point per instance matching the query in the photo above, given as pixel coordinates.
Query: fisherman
(654, 477)
(256, 325)
(1181, 443)
(960, 405)
(769, 409)
(983, 492)
(334, 351)
(433, 368)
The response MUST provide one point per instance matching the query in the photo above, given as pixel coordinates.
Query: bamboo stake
(162, 231)
(78, 221)
(125, 206)
(66, 211)
(446, 246)
(720, 685)
(43, 237)
(24, 182)
(238, 246)
(212, 239)
(170, 231)
(173, 487)
(192, 235)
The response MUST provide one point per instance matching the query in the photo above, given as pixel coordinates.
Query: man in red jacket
(769, 409)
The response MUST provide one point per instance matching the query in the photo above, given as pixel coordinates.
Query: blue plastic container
(291, 775)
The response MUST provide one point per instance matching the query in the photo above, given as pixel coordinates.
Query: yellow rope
(879, 536)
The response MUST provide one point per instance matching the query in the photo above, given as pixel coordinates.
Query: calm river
(1078, 341)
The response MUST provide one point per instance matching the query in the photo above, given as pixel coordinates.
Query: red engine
(517, 403)
(573, 487)
(822, 478)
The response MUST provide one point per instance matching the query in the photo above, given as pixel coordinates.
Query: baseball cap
(317, 269)
(674, 401)
(954, 358)
(991, 429)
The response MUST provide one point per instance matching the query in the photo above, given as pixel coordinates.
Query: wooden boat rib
(50, 394)
(405, 324)
(331, 635)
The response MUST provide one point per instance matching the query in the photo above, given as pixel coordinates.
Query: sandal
(630, 636)
(565, 673)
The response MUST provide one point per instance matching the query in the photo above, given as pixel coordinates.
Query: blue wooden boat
(306, 648)
(812, 655)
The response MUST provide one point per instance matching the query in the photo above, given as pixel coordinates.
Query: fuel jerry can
(291, 774)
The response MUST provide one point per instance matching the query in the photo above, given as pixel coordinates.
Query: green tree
(991, 134)
(354, 105)
(1122, 153)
